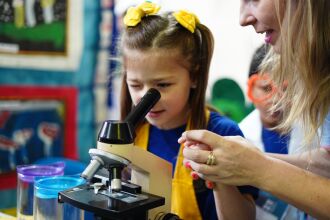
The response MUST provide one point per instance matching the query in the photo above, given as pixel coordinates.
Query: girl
(172, 53)
(299, 33)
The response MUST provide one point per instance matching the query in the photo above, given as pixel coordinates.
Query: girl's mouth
(155, 114)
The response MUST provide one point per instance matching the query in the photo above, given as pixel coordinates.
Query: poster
(35, 122)
(41, 34)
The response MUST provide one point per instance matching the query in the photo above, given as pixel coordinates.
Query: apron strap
(184, 202)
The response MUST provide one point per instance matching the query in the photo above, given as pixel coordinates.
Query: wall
(82, 78)
(234, 45)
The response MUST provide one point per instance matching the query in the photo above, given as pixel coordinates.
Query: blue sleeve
(226, 127)
(325, 135)
(223, 126)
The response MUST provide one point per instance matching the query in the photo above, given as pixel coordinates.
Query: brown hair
(164, 32)
(304, 62)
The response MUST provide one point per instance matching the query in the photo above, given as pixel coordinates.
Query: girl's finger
(209, 184)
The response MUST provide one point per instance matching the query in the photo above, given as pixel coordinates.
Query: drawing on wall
(33, 26)
(41, 34)
(35, 122)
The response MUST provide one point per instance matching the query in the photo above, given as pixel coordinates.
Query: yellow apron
(184, 202)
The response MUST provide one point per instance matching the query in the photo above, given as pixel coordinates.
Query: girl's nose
(143, 92)
(246, 17)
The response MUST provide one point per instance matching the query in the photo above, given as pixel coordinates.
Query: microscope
(147, 195)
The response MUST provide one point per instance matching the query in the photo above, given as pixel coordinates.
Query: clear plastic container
(46, 205)
(25, 185)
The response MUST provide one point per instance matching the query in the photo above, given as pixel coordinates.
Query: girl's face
(261, 14)
(164, 71)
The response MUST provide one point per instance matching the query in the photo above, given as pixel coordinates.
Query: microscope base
(105, 207)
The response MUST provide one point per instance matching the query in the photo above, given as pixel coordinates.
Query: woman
(298, 32)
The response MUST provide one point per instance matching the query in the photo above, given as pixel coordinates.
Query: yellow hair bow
(186, 19)
(134, 14)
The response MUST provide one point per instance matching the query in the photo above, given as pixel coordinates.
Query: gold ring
(210, 159)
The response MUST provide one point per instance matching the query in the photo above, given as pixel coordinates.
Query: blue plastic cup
(26, 176)
(46, 205)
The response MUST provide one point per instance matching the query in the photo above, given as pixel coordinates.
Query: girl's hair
(257, 58)
(304, 62)
(164, 32)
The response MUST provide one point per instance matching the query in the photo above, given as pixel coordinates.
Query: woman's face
(261, 14)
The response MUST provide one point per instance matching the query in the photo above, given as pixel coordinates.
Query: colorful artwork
(41, 34)
(33, 26)
(35, 122)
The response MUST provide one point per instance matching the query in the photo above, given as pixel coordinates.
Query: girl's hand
(194, 174)
(237, 161)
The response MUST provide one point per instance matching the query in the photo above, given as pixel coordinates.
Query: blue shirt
(325, 136)
(164, 143)
(274, 142)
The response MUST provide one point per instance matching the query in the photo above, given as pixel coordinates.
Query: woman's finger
(203, 169)
(205, 137)
(195, 154)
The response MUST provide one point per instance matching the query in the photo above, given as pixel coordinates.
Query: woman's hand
(237, 161)
(194, 174)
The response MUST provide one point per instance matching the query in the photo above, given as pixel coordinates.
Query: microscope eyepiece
(116, 132)
(142, 108)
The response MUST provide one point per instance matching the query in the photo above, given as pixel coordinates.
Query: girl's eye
(163, 85)
(136, 86)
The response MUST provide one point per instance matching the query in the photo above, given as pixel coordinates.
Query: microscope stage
(116, 205)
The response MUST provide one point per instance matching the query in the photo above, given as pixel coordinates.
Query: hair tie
(134, 14)
(187, 19)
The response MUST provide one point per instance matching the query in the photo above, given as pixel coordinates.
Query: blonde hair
(303, 63)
